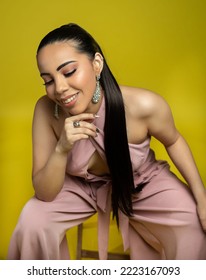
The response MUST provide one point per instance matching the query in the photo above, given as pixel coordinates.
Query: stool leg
(82, 253)
(79, 242)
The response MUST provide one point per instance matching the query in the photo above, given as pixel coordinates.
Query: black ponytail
(115, 138)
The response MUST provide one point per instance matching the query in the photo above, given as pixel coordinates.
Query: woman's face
(69, 76)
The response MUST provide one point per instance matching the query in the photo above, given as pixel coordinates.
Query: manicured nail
(96, 116)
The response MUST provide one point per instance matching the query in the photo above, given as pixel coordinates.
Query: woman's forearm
(182, 157)
(49, 180)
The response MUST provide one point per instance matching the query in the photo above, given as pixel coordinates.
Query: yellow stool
(93, 254)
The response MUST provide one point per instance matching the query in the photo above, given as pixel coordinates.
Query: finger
(80, 127)
(203, 222)
(84, 127)
(84, 124)
(85, 131)
(83, 117)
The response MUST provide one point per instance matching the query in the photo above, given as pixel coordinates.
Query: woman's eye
(68, 74)
(48, 83)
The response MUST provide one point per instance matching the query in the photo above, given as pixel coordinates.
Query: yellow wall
(156, 44)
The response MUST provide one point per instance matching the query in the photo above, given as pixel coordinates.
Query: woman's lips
(69, 100)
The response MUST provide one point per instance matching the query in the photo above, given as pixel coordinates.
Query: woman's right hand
(70, 134)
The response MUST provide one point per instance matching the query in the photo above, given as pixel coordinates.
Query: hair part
(115, 138)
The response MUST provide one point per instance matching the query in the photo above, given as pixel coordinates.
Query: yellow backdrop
(156, 44)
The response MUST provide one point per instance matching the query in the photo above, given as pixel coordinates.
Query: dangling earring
(97, 93)
(56, 111)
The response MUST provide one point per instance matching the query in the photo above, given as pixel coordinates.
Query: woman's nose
(61, 85)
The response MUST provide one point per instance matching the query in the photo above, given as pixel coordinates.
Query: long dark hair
(115, 138)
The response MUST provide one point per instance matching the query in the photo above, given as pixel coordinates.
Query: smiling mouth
(70, 99)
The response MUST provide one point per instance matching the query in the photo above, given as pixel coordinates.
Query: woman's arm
(50, 150)
(182, 157)
(161, 125)
(49, 163)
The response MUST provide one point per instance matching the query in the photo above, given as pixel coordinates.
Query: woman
(83, 164)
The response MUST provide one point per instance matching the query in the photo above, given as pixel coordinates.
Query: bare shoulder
(45, 105)
(44, 118)
(44, 114)
(142, 102)
(44, 111)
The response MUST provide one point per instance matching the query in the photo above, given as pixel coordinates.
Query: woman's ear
(98, 63)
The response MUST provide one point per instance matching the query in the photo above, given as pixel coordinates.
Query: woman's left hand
(201, 210)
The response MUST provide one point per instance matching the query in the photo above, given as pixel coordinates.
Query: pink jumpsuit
(165, 224)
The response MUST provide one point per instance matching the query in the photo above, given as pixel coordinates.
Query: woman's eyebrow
(64, 64)
(59, 67)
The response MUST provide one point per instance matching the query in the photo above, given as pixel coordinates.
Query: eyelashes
(48, 83)
(66, 75)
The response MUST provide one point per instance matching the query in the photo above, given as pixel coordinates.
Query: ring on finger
(76, 124)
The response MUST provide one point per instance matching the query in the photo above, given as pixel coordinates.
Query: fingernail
(96, 116)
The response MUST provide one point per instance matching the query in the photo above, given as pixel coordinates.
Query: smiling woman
(95, 156)
(67, 77)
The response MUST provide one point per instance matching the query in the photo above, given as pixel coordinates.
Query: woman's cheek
(50, 93)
